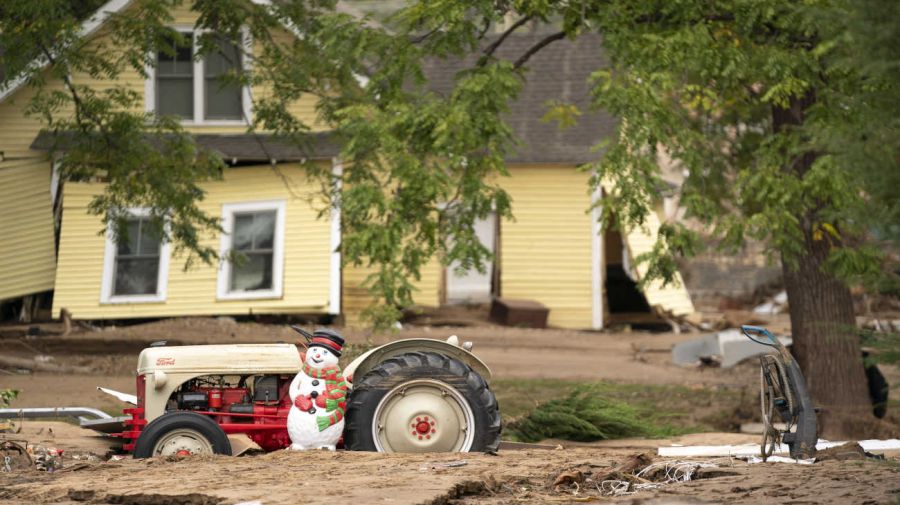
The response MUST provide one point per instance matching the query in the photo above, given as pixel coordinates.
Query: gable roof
(88, 27)
(111, 7)
(560, 71)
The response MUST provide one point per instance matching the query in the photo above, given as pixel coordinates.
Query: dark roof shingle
(560, 71)
(242, 147)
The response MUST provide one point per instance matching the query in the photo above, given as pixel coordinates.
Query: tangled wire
(672, 471)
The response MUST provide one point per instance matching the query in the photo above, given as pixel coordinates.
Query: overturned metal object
(784, 399)
(14, 457)
(726, 347)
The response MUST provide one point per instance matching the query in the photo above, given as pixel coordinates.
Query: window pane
(223, 97)
(253, 273)
(223, 60)
(149, 245)
(136, 276)
(175, 96)
(254, 231)
(129, 244)
(264, 230)
(181, 63)
(243, 232)
(223, 100)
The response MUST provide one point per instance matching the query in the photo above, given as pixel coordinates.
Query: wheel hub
(182, 442)
(424, 427)
(423, 415)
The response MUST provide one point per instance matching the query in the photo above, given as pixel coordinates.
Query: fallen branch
(30, 364)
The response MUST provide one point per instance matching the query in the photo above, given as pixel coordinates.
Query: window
(198, 90)
(136, 264)
(175, 80)
(223, 97)
(252, 250)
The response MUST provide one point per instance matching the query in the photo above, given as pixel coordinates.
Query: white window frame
(223, 291)
(109, 269)
(199, 82)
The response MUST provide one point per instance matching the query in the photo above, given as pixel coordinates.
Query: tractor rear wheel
(422, 402)
(181, 433)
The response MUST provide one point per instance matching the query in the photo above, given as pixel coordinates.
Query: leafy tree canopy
(696, 78)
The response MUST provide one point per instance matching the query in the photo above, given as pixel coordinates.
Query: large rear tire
(179, 433)
(422, 402)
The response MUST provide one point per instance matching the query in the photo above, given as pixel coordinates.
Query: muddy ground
(107, 357)
(512, 476)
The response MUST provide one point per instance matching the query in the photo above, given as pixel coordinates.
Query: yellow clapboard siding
(307, 253)
(546, 250)
(17, 131)
(27, 256)
(355, 298)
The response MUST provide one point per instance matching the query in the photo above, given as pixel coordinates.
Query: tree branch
(537, 47)
(489, 50)
(421, 38)
(485, 28)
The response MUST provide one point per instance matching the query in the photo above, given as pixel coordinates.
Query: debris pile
(638, 473)
(48, 459)
(656, 475)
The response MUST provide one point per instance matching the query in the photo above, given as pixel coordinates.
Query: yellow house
(553, 252)
(266, 204)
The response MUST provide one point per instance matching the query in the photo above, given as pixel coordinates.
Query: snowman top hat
(329, 339)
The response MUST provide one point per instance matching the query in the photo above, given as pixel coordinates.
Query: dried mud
(525, 476)
(512, 476)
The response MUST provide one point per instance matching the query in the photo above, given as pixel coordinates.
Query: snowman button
(314, 394)
(312, 410)
(315, 382)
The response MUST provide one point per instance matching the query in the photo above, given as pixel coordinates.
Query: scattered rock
(163, 499)
(844, 452)
(634, 463)
(463, 489)
(443, 465)
(568, 478)
(712, 473)
(81, 494)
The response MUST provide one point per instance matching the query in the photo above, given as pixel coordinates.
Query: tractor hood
(221, 359)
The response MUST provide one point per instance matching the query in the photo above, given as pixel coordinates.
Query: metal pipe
(37, 412)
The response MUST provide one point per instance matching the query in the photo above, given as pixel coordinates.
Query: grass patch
(539, 409)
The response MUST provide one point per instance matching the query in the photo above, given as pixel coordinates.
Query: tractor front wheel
(422, 402)
(181, 433)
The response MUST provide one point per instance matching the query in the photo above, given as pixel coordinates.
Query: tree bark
(826, 341)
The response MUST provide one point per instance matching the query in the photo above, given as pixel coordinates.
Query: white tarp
(678, 451)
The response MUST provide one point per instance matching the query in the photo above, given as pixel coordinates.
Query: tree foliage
(700, 80)
(696, 78)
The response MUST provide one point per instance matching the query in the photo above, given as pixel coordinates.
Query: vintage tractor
(416, 395)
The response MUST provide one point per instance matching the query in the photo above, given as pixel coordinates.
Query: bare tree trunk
(826, 342)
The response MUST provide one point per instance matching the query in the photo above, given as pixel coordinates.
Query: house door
(473, 286)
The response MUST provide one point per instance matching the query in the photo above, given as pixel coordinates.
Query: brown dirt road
(509, 352)
(516, 476)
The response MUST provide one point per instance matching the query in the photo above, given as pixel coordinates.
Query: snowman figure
(319, 395)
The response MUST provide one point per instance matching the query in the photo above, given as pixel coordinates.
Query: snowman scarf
(333, 399)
